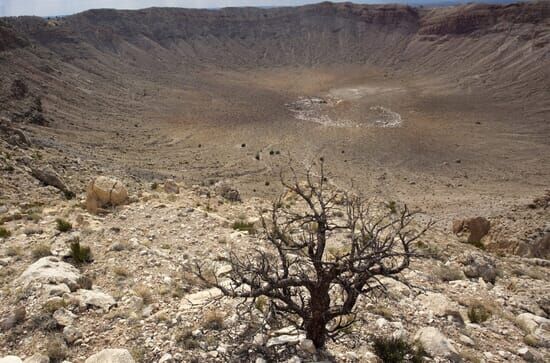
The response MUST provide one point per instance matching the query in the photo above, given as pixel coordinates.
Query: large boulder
(477, 265)
(439, 304)
(94, 299)
(38, 358)
(111, 356)
(50, 270)
(478, 228)
(436, 344)
(11, 359)
(103, 192)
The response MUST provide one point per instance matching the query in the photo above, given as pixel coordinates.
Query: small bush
(138, 353)
(213, 320)
(40, 250)
(50, 306)
(382, 311)
(63, 225)
(244, 226)
(85, 282)
(478, 313)
(395, 350)
(13, 251)
(121, 271)
(447, 273)
(144, 292)
(477, 244)
(186, 339)
(56, 349)
(392, 206)
(4, 233)
(154, 186)
(80, 254)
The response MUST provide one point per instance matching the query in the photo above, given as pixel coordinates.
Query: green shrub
(478, 313)
(244, 226)
(63, 225)
(80, 254)
(392, 206)
(4, 233)
(396, 350)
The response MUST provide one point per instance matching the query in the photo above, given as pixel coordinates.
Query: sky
(67, 7)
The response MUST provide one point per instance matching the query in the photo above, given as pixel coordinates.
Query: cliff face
(481, 17)
(9, 39)
(465, 43)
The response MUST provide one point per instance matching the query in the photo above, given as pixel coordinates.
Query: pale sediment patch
(316, 109)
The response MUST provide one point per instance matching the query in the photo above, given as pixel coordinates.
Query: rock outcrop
(111, 356)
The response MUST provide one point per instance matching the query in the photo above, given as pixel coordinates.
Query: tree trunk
(316, 331)
(315, 326)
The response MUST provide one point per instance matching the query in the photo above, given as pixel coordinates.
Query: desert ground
(443, 110)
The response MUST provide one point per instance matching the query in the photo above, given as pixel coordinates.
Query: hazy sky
(66, 7)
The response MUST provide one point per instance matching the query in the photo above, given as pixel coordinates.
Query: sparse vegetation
(63, 225)
(392, 206)
(395, 350)
(121, 271)
(213, 320)
(13, 251)
(40, 250)
(56, 349)
(4, 233)
(449, 273)
(244, 226)
(80, 254)
(293, 270)
(477, 244)
(478, 313)
(50, 306)
(144, 292)
(186, 339)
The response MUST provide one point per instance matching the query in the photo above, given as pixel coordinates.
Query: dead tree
(320, 255)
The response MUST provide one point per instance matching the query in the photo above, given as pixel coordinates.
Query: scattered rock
(14, 318)
(48, 176)
(436, 344)
(103, 192)
(94, 298)
(228, 192)
(71, 334)
(478, 265)
(50, 270)
(111, 356)
(171, 187)
(166, 358)
(64, 317)
(307, 346)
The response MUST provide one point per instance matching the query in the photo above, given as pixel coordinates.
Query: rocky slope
(144, 96)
